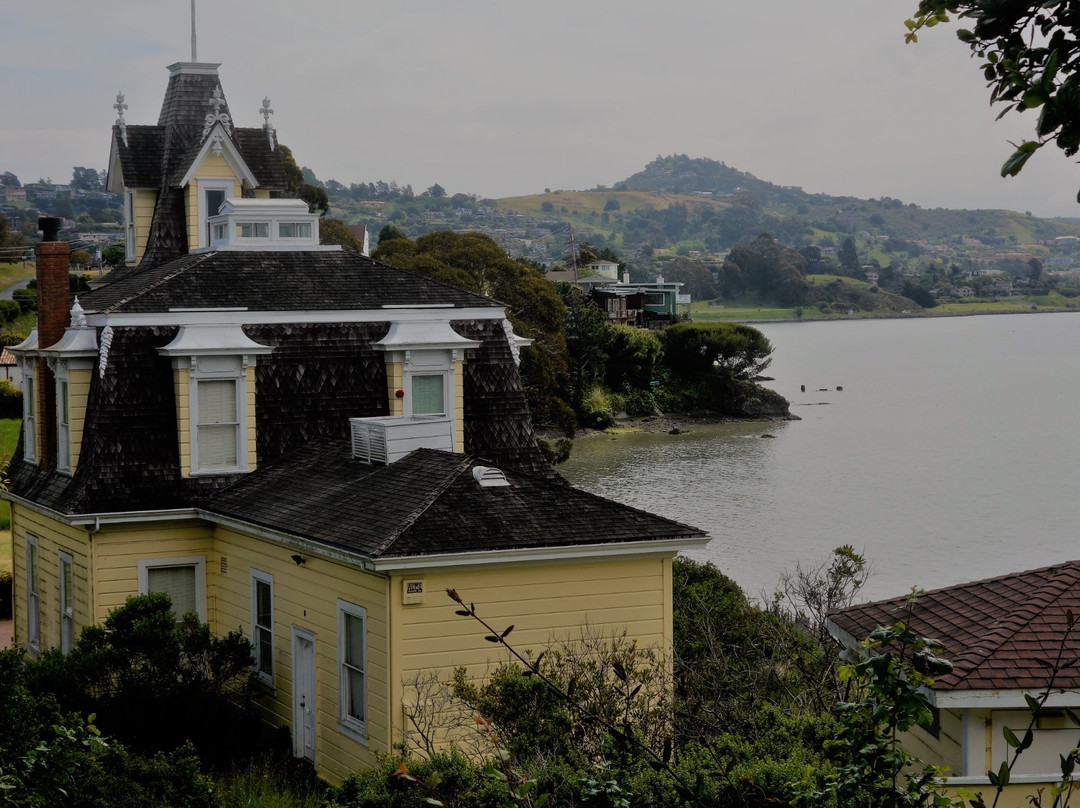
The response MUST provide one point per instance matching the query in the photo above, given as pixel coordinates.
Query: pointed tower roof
(161, 157)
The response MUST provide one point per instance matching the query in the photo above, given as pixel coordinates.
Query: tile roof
(427, 503)
(995, 630)
(274, 281)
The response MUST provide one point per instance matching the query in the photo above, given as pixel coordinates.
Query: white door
(303, 643)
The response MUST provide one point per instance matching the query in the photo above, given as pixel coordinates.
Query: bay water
(951, 453)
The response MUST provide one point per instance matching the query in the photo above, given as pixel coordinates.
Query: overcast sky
(505, 97)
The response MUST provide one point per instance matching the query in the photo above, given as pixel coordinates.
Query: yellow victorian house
(299, 441)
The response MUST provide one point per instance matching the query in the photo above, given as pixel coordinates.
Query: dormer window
(265, 224)
(214, 377)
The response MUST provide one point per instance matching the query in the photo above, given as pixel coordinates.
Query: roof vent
(489, 477)
(386, 439)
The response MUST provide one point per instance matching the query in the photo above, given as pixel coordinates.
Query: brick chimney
(53, 261)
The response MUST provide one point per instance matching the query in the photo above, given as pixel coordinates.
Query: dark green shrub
(156, 684)
(640, 403)
(596, 410)
(556, 451)
(10, 400)
(26, 298)
(632, 357)
(9, 310)
(459, 782)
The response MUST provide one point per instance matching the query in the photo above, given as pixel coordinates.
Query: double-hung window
(182, 579)
(352, 661)
(63, 421)
(33, 596)
(66, 600)
(218, 424)
(30, 412)
(262, 624)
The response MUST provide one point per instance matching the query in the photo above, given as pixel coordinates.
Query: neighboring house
(9, 368)
(605, 268)
(360, 233)
(15, 194)
(302, 442)
(998, 633)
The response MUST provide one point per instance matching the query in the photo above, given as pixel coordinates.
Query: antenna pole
(193, 56)
(573, 250)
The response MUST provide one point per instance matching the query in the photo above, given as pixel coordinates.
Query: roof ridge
(162, 280)
(425, 503)
(1023, 614)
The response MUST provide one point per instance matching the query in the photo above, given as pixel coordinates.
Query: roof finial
(266, 113)
(120, 106)
(217, 100)
(193, 56)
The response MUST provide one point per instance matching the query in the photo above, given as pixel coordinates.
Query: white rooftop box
(389, 438)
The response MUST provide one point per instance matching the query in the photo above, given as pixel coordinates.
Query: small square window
(182, 579)
(427, 395)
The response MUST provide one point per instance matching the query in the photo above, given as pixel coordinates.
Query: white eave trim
(212, 340)
(182, 317)
(229, 152)
(999, 699)
(97, 519)
(422, 334)
(581, 552)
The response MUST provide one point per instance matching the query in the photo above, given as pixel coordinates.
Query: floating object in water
(839, 388)
(823, 389)
(802, 388)
(767, 435)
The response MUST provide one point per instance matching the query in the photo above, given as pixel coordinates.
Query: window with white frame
(352, 660)
(262, 624)
(66, 600)
(63, 420)
(218, 415)
(429, 394)
(129, 224)
(30, 412)
(212, 193)
(253, 229)
(294, 229)
(183, 579)
(33, 596)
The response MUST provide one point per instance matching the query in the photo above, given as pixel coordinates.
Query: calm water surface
(952, 453)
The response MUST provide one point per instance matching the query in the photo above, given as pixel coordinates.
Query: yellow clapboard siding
(52, 537)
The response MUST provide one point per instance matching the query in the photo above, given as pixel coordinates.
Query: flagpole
(193, 56)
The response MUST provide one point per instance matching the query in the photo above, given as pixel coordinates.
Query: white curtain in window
(217, 424)
(176, 582)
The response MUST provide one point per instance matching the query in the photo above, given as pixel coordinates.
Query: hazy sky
(505, 97)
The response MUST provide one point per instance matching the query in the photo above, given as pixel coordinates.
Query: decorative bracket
(217, 100)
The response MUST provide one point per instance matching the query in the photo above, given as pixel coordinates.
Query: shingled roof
(995, 630)
(158, 157)
(275, 281)
(427, 503)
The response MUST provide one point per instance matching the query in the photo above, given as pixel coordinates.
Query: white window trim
(258, 576)
(129, 224)
(33, 595)
(198, 562)
(202, 186)
(63, 430)
(350, 726)
(30, 411)
(65, 601)
(197, 375)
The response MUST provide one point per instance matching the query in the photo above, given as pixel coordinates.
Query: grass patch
(9, 439)
(270, 783)
(735, 314)
(621, 430)
(990, 307)
(12, 273)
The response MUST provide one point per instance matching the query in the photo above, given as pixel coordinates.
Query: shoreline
(667, 423)
(926, 315)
